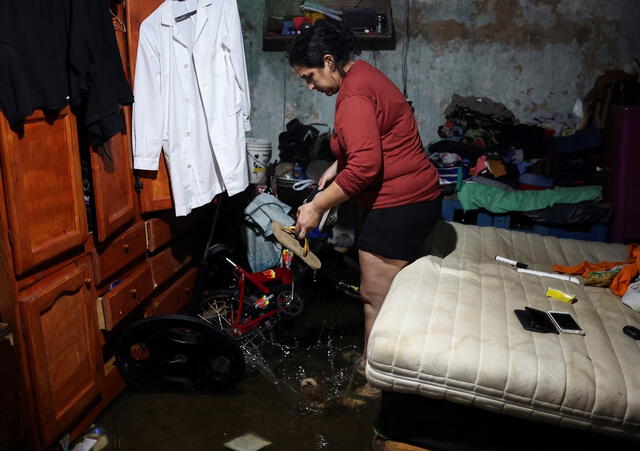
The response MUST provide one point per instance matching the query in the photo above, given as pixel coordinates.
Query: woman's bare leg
(376, 275)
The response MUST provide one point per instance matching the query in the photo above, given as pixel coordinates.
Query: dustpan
(287, 238)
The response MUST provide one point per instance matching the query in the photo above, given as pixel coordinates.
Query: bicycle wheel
(178, 352)
(291, 303)
(216, 309)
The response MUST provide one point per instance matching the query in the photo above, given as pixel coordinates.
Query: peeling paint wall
(534, 56)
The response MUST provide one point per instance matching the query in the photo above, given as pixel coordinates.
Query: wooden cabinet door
(43, 187)
(111, 165)
(113, 183)
(156, 191)
(137, 11)
(63, 351)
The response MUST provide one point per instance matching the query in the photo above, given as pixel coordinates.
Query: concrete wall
(531, 55)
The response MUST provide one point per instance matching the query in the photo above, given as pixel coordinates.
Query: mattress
(447, 330)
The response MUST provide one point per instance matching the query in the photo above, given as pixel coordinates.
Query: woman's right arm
(357, 125)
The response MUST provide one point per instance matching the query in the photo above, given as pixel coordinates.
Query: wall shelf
(277, 10)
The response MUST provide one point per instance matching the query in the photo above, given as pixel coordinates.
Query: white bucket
(258, 157)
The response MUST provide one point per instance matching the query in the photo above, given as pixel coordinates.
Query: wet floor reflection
(316, 349)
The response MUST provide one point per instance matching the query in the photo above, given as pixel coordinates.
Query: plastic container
(258, 158)
(288, 195)
(450, 175)
(298, 171)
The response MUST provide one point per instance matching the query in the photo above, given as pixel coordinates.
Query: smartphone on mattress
(565, 322)
(535, 320)
(541, 320)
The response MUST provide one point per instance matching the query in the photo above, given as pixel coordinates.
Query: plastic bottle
(298, 171)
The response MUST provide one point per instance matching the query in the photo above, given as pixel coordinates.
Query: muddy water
(269, 401)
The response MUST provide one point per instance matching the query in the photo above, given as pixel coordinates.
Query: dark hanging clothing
(95, 51)
(56, 53)
(16, 96)
(34, 40)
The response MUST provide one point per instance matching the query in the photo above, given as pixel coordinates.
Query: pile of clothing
(483, 142)
(622, 278)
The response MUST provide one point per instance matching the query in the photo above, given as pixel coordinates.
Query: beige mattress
(447, 330)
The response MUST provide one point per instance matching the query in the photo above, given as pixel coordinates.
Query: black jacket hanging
(56, 53)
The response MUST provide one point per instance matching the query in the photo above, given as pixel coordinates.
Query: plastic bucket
(258, 158)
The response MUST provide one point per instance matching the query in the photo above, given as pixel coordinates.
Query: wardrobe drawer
(167, 227)
(124, 298)
(169, 261)
(159, 232)
(173, 298)
(120, 252)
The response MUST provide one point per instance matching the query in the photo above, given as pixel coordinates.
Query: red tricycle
(255, 301)
(205, 347)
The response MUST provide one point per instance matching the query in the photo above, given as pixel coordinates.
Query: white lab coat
(192, 100)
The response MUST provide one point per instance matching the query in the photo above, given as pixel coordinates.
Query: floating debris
(247, 442)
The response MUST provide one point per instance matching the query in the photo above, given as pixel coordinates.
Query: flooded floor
(268, 402)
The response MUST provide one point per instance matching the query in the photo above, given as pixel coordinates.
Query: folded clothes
(580, 213)
(589, 138)
(472, 153)
(473, 196)
(536, 180)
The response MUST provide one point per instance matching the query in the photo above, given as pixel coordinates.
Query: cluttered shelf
(369, 20)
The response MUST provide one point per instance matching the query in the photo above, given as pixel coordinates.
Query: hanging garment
(192, 100)
(59, 53)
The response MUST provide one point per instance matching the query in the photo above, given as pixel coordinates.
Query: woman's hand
(309, 214)
(328, 175)
(308, 217)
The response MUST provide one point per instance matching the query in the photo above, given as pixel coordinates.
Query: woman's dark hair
(310, 46)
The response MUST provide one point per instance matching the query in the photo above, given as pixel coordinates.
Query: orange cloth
(621, 281)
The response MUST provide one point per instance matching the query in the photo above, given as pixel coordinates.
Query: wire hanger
(117, 22)
(186, 15)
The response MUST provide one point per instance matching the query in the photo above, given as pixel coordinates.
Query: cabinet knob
(125, 248)
(134, 293)
(88, 281)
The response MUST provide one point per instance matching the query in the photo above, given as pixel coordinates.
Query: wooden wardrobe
(69, 283)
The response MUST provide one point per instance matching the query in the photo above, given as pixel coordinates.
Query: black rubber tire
(178, 353)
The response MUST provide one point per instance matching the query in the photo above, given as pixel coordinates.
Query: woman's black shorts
(399, 232)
